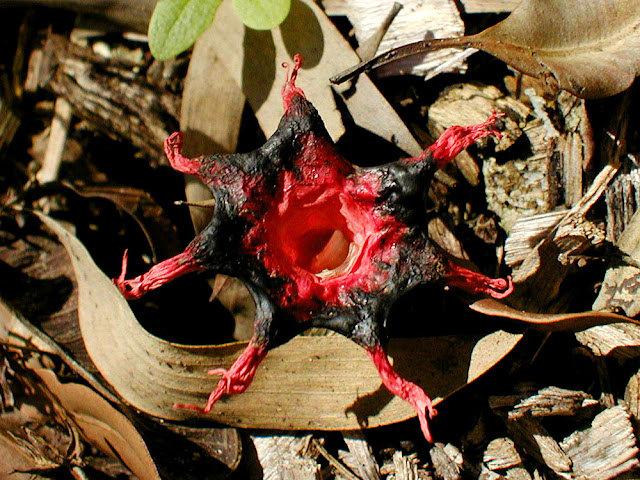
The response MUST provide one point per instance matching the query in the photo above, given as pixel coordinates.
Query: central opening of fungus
(322, 249)
(314, 228)
(314, 235)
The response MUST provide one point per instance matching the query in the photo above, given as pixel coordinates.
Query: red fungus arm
(235, 380)
(475, 282)
(406, 390)
(173, 151)
(289, 89)
(157, 276)
(457, 138)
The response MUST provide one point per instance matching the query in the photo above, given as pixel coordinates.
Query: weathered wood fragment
(110, 95)
(552, 401)
(534, 439)
(501, 455)
(360, 457)
(405, 468)
(281, 456)
(446, 461)
(605, 450)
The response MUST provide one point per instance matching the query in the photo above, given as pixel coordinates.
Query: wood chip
(534, 439)
(526, 233)
(605, 450)
(445, 465)
(405, 468)
(501, 454)
(552, 401)
(361, 459)
(57, 139)
(619, 340)
(281, 457)
(620, 287)
(119, 103)
(541, 273)
(632, 395)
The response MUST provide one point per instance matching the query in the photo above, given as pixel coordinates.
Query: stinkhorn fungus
(318, 241)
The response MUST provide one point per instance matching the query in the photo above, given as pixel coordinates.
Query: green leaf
(262, 14)
(176, 24)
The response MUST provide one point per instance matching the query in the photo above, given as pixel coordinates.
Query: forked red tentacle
(173, 151)
(289, 89)
(235, 380)
(406, 390)
(157, 276)
(475, 282)
(457, 138)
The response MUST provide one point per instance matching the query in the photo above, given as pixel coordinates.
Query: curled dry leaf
(588, 47)
(550, 322)
(152, 375)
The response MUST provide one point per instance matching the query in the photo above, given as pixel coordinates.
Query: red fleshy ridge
(406, 390)
(289, 89)
(235, 380)
(475, 282)
(457, 138)
(157, 276)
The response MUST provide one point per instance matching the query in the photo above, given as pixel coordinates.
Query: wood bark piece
(281, 457)
(534, 439)
(621, 282)
(552, 401)
(527, 232)
(417, 19)
(254, 59)
(619, 340)
(361, 459)
(501, 454)
(341, 471)
(105, 93)
(445, 467)
(153, 375)
(541, 273)
(405, 469)
(605, 450)
(57, 138)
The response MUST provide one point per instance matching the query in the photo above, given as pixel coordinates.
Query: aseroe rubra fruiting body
(318, 241)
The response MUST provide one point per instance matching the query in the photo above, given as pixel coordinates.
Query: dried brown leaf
(588, 47)
(102, 425)
(153, 375)
(550, 322)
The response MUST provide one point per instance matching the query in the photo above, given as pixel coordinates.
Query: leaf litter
(577, 257)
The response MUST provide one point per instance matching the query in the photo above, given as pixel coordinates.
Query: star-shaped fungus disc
(317, 240)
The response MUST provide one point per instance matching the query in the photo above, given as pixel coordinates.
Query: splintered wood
(605, 450)
(108, 94)
(602, 450)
